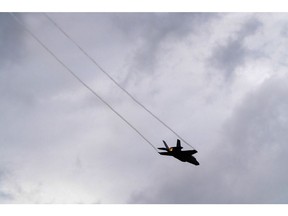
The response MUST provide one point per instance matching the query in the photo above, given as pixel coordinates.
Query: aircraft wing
(165, 153)
(190, 152)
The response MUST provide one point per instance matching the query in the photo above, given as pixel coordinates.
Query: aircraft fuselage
(182, 156)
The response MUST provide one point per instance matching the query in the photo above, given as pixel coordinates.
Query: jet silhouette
(184, 156)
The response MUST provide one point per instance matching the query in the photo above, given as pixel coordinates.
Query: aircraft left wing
(191, 152)
(165, 153)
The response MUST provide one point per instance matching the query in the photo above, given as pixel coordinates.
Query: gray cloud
(248, 165)
(258, 133)
(63, 146)
(230, 56)
(12, 45)
(5, 196)
(233, 53)
(152, 30)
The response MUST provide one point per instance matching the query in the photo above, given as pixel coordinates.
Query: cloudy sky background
(218, 79)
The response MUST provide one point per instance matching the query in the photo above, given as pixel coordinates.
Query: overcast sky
(219, 80)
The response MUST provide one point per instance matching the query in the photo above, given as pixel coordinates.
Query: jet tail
(179, 144)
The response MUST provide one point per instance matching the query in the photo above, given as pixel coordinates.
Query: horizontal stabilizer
(162, 149)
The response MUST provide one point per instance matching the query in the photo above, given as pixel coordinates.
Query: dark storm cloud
(229, 56)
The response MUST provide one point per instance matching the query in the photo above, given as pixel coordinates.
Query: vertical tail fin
(179, 144)
(167, 147)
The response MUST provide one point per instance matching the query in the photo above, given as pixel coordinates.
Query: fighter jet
(184, 156)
